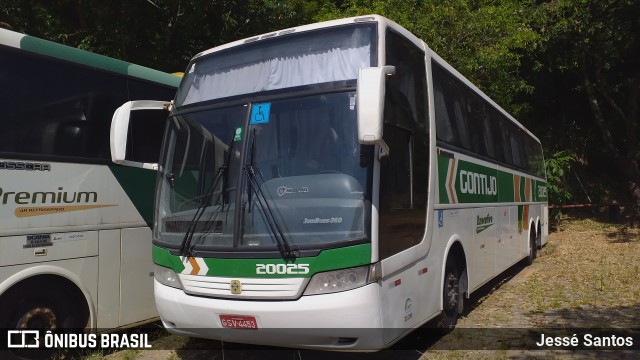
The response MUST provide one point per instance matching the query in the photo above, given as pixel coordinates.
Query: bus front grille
(243, 288)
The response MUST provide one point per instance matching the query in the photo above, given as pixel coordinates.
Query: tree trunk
(626, 166)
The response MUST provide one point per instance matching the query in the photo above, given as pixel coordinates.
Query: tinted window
(60, 110)
(403, 174)
(464, 120)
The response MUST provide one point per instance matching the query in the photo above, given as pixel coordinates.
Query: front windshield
(300, 170)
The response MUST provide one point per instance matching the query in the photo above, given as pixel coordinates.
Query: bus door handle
(40, 252)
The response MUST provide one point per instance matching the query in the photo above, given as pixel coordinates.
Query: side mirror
(120, 130)
(370, 104)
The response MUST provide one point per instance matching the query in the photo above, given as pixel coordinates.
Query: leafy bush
(558, 166)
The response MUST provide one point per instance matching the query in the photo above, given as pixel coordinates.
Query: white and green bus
(75, 229)
(335, 186)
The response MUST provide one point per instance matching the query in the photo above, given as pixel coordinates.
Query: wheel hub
(38, 318)
(452, 292)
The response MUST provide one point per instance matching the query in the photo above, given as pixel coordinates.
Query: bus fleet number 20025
(281, 269)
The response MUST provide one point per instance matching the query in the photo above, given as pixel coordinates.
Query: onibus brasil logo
(35, 339)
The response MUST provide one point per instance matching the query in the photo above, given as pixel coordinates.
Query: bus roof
(362, 19)
(63, 52)
(297, 29)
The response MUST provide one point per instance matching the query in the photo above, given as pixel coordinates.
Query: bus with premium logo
(335, 186)
(75, 228)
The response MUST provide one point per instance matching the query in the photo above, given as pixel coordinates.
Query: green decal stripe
(139, 185)
(474, 183)
(71, 54)
(539, 191)
(505, 187)
(162, 257)
(327, 260)
(443, 169)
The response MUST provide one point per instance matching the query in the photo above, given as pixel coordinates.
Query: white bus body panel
(311, 321)
(76, 214)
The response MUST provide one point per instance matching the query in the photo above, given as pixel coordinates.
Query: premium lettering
(49, 197)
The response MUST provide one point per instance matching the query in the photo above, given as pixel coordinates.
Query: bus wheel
(46, 312)
(36, 315)
(32, 314)
(50, 308)
(533, 249)
(450, 296)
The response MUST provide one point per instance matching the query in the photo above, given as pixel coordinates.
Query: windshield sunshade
(307, 58)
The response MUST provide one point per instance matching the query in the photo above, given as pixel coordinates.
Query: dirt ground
(585, 281)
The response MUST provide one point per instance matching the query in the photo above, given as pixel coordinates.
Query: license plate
(239, 322)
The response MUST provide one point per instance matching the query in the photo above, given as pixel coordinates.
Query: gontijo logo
(476, 183)
(465, 182)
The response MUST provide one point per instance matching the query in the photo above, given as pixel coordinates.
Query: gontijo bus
(74, 227)
(335, 185)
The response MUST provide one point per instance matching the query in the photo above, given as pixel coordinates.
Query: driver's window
(404, 172)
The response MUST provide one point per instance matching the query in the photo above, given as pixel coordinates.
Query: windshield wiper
(205, 199)
(272, 223)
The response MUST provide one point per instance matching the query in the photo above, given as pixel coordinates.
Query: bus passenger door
(402, 226)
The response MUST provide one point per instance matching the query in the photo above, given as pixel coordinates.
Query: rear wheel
(533, 249)
(451, 299)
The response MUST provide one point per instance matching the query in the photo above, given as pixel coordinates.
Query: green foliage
(485, 40)
(592, 56)
(568, 69)
(162, 34)
(558, 166)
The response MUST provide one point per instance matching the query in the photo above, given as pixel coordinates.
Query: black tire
(450, 296)
(533, 249)
(48, 309)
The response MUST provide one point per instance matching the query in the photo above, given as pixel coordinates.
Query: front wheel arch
(44, 301)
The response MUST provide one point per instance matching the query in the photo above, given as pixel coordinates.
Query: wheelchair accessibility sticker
(260, 113)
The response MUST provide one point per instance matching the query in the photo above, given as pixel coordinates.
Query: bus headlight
(338, 280)
(166, 276)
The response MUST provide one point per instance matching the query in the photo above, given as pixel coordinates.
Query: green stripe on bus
(327, 260)
(68, 53)
(139, 185)
(505, 181)
(443, 167)
(162, 257)
(466, 182)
